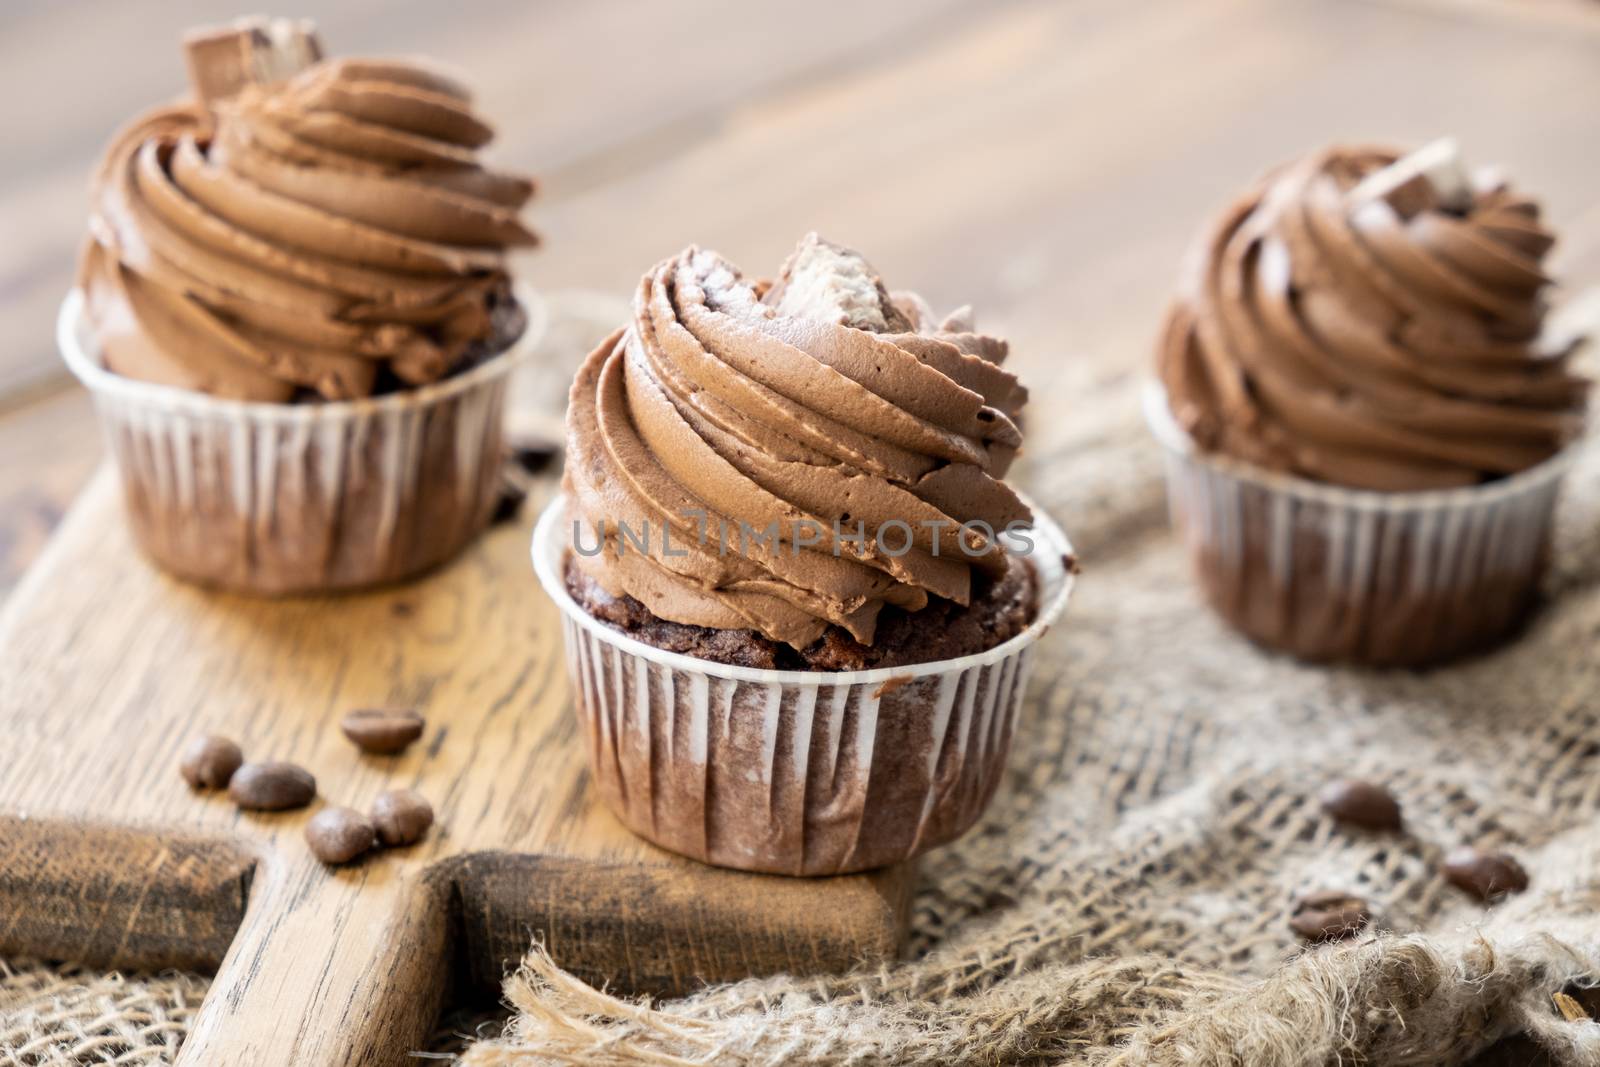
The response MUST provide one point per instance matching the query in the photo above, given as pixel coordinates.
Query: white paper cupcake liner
(795, 772)
(1347, 575)
(302, 498)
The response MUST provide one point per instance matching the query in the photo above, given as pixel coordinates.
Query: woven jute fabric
(64, 1014)
(53, 1015)
(1125, 900)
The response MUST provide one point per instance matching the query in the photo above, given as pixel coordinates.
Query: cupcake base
(280, 499)
(1350, 576)
(806, 772)
(943, 630)
(1335, 586)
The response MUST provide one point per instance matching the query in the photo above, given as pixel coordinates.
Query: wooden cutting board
(108, 667)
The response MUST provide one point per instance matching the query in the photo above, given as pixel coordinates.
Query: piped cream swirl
(1385, 343)
(825, 406)
(310, 234)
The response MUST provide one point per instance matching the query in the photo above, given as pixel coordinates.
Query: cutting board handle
(113, 896)
(354, 961)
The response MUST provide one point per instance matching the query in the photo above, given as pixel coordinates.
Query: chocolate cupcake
(1365, 417)
(800, 602)
(296, 319)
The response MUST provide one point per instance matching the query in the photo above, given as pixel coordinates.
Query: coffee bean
(339, 835)
(402, 816)
(209, 762)
(1486, 875)
(1364, 804)
(383, 731)
(1328, 915)
(534, 454)
(272, 786)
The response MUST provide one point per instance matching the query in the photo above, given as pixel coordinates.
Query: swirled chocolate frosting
(334, 232)
(1389, 342)
(821, 409)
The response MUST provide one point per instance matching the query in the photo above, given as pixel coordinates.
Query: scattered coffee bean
(209, 761)
(339, 835)
(272, 786)
(1486, 875)
(1364, 804)
(534, 454)
(383, 731)
(512, 497)
(401, 816)
(1328, 915)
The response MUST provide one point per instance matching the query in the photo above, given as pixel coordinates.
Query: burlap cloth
(1125, 900)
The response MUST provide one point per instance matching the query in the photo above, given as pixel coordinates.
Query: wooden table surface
(1047, 162)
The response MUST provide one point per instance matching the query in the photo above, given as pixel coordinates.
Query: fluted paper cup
(795, 772)
(302, 498)
(1330, 574)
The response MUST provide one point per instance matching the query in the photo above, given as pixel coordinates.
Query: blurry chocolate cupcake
(800, 602)
(296, 319)
(1366, 417)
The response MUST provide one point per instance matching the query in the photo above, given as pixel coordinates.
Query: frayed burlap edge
(1389, 1000)
(64, 1014)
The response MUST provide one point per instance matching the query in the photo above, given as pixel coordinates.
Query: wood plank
(182, 913)
(50, 445)
(1580, 15)
(107, 856)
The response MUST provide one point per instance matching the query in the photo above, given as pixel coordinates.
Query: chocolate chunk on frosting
(831, 283)
(252, 51)
(1431, 178)
(818, 409)
(1373, 327)
(327, 232)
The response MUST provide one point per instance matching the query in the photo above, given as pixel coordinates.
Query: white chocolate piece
(831, 283)
(1434, 168)
(251, 51)
(292, 47)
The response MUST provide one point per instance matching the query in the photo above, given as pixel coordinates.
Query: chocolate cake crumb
(942, 630)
